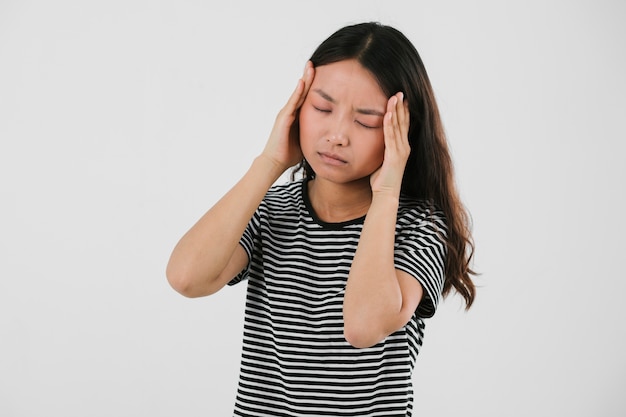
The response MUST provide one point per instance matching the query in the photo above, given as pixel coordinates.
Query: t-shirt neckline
(309, 207)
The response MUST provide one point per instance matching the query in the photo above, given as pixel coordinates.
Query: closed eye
(321, 110)
(366, 126)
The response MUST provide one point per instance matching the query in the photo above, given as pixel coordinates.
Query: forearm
(205, 250)
(373, 295)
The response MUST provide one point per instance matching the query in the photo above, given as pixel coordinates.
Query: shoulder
(421, 248)
(285, 190)
(286, 195)
(421, 214)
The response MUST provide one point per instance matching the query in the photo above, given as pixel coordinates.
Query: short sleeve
(247, 241)
(420, 250)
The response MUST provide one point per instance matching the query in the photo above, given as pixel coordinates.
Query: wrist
(386, 202)
(266, 164)
(390, 195)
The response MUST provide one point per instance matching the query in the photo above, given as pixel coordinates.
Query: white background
(121, 122)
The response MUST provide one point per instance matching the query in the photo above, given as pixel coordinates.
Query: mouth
(332, 158)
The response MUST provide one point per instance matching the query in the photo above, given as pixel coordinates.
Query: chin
(339, 179)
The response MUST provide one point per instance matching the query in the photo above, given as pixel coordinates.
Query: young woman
(344, 264)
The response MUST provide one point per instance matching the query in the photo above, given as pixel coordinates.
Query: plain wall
(121, 122)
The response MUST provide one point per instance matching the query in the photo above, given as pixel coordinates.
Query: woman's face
(341, 122)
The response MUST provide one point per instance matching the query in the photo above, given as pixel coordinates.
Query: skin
(356, 140)
(341, 136)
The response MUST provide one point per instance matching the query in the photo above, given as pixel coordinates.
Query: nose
(338, 139)
(339, 134)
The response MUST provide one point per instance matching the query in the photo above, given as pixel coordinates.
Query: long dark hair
(429, 173)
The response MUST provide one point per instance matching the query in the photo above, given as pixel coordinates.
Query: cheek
(376, 150)
(304, 119)
(374, 153)
(306, 124)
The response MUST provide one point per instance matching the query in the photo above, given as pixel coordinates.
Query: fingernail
(401, 96)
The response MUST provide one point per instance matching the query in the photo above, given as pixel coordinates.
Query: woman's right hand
(208, 256)
(283, 145)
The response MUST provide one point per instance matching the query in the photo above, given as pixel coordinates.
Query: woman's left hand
(388, 178)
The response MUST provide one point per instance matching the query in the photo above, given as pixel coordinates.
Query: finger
(397, 118)
(400, 119)
(400, 109)
(292, 103)
(307, 78)
(403, 116)
(299, 93)
(390, 124)
(398, 141)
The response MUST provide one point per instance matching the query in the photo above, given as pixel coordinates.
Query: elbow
(179, 283)
(361, 335)
(183, 283)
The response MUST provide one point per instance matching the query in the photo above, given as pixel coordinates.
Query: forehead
(347, 79)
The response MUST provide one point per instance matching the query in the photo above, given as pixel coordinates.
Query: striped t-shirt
(295, 359)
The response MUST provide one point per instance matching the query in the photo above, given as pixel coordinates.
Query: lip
(332, 158)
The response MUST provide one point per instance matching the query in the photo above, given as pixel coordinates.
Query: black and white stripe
(295, 360)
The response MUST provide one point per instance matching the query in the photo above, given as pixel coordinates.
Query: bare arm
(204, 252)
(209, 254)
(379, 299)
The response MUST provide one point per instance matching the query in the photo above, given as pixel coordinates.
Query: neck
(335, 203)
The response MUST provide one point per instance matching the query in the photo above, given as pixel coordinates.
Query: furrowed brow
(324, 95)
(370, 112)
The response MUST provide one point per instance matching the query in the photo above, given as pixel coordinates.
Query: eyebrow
(327, 97)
